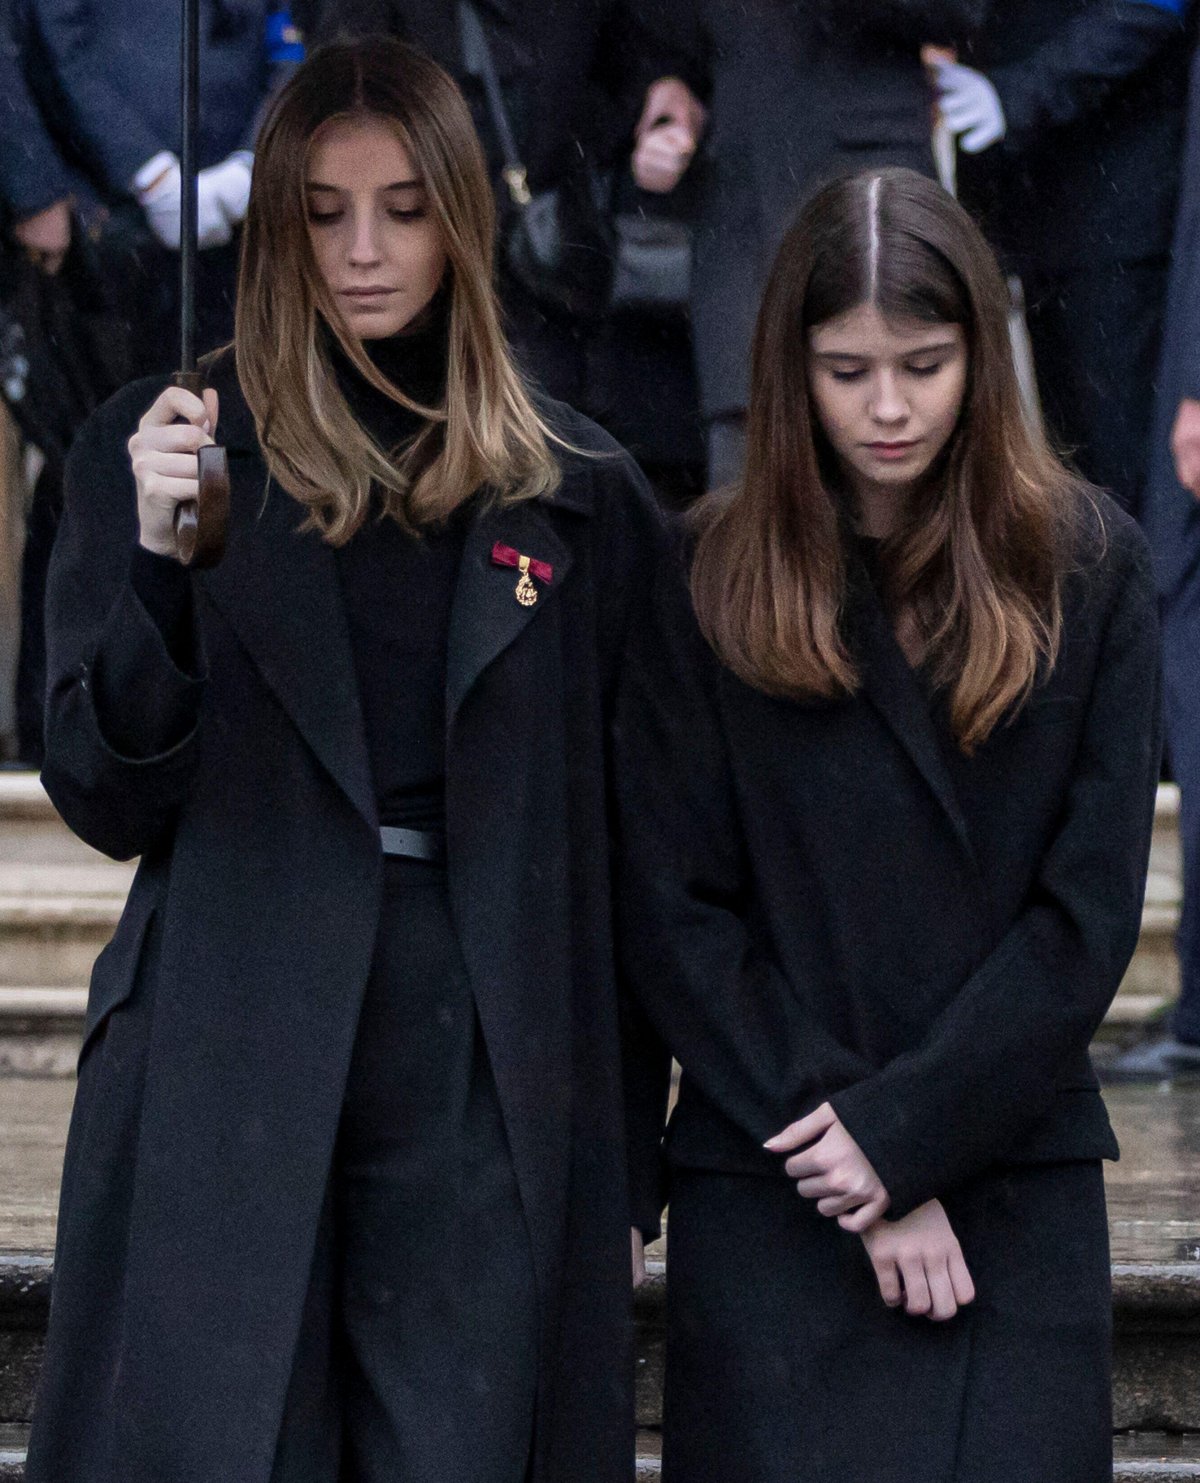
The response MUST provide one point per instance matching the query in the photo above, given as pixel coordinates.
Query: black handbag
(567, 246)
(62, 344)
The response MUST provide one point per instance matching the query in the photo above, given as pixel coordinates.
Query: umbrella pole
(200, 524)
(189, 77)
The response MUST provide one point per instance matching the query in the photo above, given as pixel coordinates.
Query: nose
(364, 244)
(888, 403)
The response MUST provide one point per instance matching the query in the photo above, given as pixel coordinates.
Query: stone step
(14, 1442)
(1156, 1348)
(1139, 1458)
(1156, 1457)
(1152, 981)
(40, 1029)
(57, 913)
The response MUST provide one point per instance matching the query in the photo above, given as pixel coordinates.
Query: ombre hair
(487, 432)
(977, 567)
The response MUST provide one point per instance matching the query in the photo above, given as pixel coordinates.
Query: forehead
(359, 153)
(865, 333)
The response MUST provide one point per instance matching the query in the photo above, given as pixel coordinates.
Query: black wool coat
(222, 1015)
(828, 900)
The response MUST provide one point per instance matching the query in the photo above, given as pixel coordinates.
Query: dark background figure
(1171, 517)
(576, 81)
(108, 78)
(798, 93)
(1079, 198)
(61, 343)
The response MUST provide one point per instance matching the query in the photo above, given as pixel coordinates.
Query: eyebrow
(396, 185)
(939, 346)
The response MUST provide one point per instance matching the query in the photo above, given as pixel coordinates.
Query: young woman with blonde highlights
(346, 1196)
(889, 749)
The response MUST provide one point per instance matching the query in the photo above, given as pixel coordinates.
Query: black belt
(413, 844)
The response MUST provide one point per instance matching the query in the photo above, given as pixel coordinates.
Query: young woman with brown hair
(889, 750)
(345, 1196)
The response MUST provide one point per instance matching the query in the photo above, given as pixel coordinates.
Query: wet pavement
(1154, 1192)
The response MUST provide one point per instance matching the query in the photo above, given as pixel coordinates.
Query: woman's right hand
(919, 1263)
(163, 455)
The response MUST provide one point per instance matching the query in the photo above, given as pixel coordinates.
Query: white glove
(226, 187)
(222, 193)
(158, 186)
(970, 106)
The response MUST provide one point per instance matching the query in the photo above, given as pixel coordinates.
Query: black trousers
(1096, 334)
(784, 1365)
(1181, 697)
(417, 1358)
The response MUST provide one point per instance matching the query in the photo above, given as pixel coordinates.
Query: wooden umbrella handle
(201, 524)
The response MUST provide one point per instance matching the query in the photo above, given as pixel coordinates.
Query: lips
(892, 452)
(366, 293)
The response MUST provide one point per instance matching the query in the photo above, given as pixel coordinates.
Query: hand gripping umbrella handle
(201, 524)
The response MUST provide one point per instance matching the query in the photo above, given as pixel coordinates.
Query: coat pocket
(115, 970)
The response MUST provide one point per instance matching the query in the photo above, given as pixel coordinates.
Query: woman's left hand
(832, 1169)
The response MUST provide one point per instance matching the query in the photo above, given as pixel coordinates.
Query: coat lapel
(894, 691)
(279, 589)
(486, 617)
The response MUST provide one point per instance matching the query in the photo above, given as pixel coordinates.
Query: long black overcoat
(828, 900)
(222, 1015)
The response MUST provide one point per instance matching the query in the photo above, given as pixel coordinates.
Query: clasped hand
(831, 1169)
(917, 1261)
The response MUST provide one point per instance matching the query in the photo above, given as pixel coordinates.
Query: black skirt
(784, 1365)
(417, 1358)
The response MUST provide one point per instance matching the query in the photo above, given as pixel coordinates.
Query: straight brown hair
(487, 432)
(979, 563)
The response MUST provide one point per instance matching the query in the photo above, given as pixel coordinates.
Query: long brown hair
(979, 562)
(488, 431)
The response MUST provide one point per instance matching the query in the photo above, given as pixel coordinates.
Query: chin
(374, 329)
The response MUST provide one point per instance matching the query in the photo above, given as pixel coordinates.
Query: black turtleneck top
(397, 589)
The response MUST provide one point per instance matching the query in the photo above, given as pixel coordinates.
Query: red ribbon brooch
(526, 592)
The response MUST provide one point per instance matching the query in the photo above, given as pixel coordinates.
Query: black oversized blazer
(222, 1015)
(828, 900)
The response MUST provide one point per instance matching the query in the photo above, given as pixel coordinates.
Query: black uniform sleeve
(122, 717)
(1073, 73)
(988, 1070)
(31, 173)
(1184, 299)
(109, 131)
(707, 981)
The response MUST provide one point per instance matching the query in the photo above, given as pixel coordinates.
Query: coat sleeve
(122, 719)
(107, 130)
(989, 1068)
(706, 980)
(631, 539)
(31, 174)
(1183, 329)
(1075, 70)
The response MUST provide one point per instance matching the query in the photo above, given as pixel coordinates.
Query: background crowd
(672, 144)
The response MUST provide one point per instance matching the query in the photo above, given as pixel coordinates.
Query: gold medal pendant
(527, 593)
